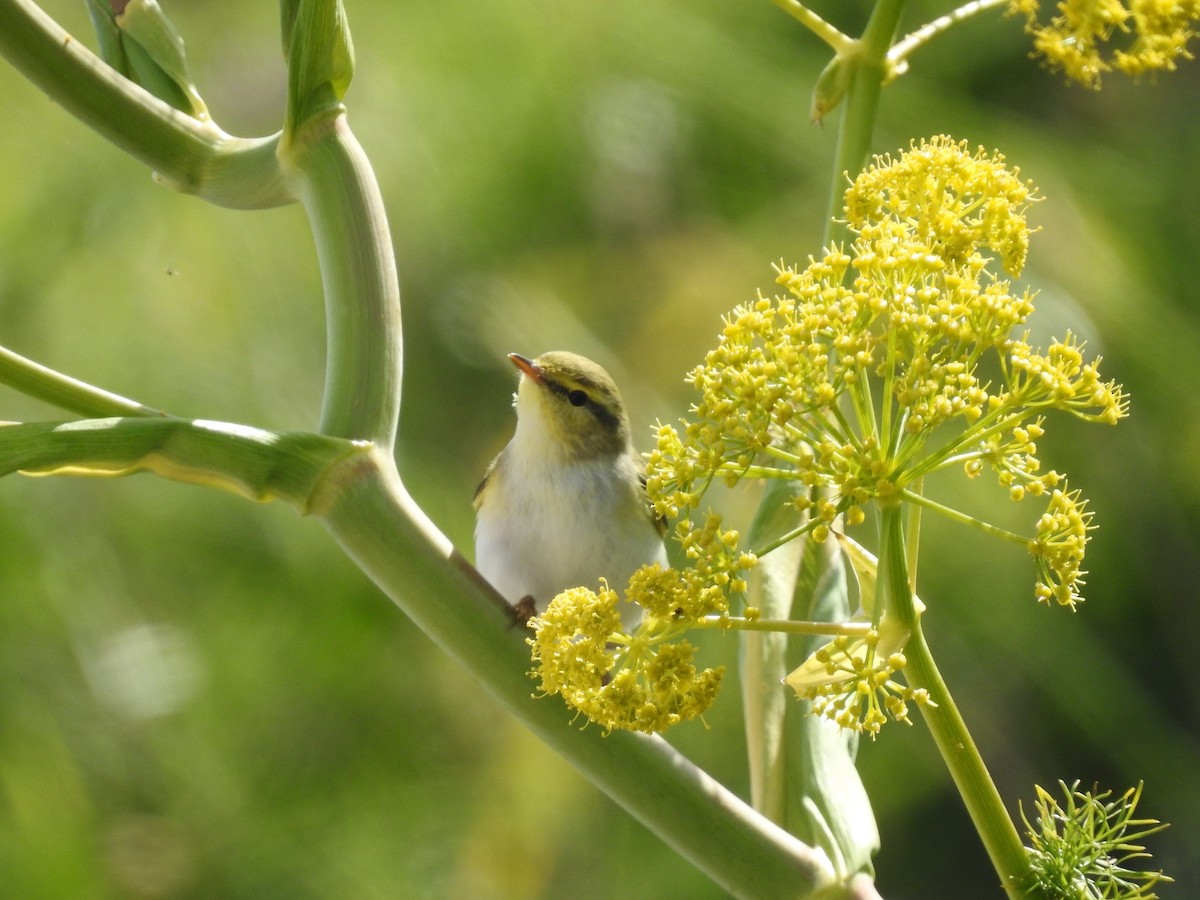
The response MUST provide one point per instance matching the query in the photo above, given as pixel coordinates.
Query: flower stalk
(946, 724)
(867, 67)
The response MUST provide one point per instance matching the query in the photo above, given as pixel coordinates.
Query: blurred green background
(202, 698)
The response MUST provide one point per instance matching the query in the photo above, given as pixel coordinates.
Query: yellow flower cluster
(1061, 379)
(1062, 535)
(850, 682)
(843, 382)
(640, 682)
(1077, 40)
(571, 643)
(940, 197)
(644, 681)
(716, 568)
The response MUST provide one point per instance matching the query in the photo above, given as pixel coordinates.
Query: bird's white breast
(542, 529)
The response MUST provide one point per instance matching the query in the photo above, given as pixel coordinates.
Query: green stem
(190, 155)
(261, 465)
(870, 70)
(786, 538)
(904, 48)
(840, 43)
(783, 626)
(65, 392)
(954, 742)
(372, 516)
(358, 270)
(912, 531)
(963, 519)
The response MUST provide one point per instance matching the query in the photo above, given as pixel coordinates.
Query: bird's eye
(577, 398)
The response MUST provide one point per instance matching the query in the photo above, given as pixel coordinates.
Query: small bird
(564, 503)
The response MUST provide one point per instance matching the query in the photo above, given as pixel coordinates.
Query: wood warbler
(564, 503)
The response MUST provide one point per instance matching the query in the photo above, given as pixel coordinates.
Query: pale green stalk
(838, 42)
(918, 499)
(781, 626)
(339, 191)
(369, 512)
(946, 724)
(261, 465)
(65, 392)
(905, 47)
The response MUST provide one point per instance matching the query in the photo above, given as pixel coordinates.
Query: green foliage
(1083, 848)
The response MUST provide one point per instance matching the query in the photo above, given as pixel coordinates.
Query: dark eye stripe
(604, 414)
(581, 398)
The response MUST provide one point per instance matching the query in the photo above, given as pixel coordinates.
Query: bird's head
(572, 405)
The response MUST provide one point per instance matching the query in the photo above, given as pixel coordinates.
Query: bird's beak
(527, 366)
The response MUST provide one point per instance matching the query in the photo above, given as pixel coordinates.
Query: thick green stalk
(861, 104)
(372, 516)
(358, 269)
(254, 463)
(946, 724)
(190, 155)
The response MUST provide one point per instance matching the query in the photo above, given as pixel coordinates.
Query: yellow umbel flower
(644, 679)
(947, 199)
(1079, 39)
(864, 376)
(867, 374)
(850, 682)
(1062, 535)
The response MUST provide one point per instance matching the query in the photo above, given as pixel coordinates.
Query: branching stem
(783, 626)
(898, 55)
(964, 519)
(842, 44)
(65, 392)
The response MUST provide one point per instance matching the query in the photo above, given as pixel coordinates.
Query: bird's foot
(522, 611)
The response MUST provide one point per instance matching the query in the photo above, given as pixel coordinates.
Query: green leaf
(320, 58)
(802, 767)
(865, 566)
(831, 87)
(764, 654)
(108, 35)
